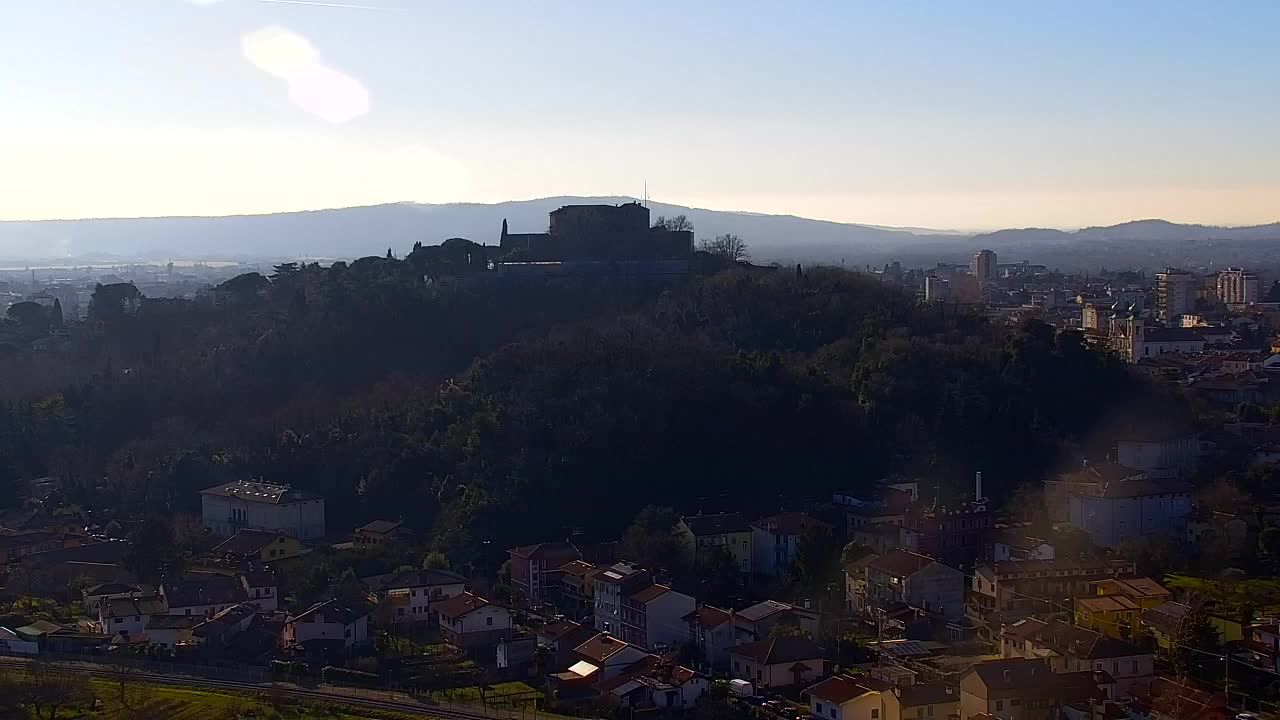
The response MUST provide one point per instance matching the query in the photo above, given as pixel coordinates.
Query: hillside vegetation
(489, 415)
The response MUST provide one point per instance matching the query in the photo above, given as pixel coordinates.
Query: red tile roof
(838, 689)
(901, 563)
(650, 593)
(775, 651)
(459, 605)
(708, 616)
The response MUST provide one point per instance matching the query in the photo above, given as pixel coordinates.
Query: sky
(951, 115)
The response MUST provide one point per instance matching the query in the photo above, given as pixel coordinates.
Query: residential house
(844, 697)
(955, 534)
(774, 541)
(12, 643)
(411, 594)
(234, 506)
(882, 538)
(168, 632)
(1008, 591)
(470, 622)
(610, 587)
(653, 617)
(1021, 689)
(1068, 648)
(758, 621)
(604, 656)
(1088, 480)
(221, 629)
(129, 616)
(535, 569)
(561, 640)
(262, 588)
(258, 546)
(94, 595)
(933, 700)
(656, 684)
(203, 596)
(577, 589)
(1263, 644)
(1112, 615)
(378, 533)
(711, 631)
(777, 662)
(1016, 545)
(1160, 455)
(1118, 605)
(1132, 509)
(327, 624)
(901, 577)
(709, 535)
(1162, 622)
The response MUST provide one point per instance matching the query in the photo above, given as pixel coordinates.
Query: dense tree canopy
(491, 414)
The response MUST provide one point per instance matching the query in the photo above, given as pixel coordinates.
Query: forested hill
(491, 414)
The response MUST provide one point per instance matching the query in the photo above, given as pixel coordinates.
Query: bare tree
(679, 222)
(728, 246)
(48, 690)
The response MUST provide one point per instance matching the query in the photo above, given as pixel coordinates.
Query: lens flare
(328, 93)
(279, 52)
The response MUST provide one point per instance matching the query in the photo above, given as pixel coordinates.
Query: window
(759, 674)
(346, 632)
(118, 620)
(819, 707)
(1015, 702)
(137, 618)
(999, 705)
(833, 712)
(930, 708)
(875, 713)
(488, 620)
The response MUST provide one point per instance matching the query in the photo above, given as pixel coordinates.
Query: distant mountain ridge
(370, 230)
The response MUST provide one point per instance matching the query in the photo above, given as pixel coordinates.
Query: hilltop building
(597, 240)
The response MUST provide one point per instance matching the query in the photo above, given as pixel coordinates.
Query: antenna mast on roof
(646, 194)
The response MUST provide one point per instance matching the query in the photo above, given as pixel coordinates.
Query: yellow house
(1112, 615)
(1143, 591)
(708, 535)
(260, 545)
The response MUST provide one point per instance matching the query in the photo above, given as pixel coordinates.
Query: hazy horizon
(909, 228)
(935, 115)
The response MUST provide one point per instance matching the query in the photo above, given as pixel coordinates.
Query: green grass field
(185, 703)
(1263, 594)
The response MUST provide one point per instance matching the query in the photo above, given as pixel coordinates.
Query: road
(338, 696)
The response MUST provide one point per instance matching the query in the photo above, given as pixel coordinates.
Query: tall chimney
(977, 489)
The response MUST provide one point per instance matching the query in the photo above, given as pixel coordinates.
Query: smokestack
(977, 486)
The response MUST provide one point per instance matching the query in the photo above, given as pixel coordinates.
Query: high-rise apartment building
(1237, 286)
(1175, 293)
(983, 265)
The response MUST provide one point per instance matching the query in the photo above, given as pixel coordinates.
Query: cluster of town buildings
(972, 614)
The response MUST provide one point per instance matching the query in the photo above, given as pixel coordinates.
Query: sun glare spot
(323, 91)
(328, 93)
(279, 52)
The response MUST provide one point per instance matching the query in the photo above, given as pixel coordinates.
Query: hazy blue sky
(945, 114)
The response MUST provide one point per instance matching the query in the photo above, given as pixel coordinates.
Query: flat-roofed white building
(234, 506)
